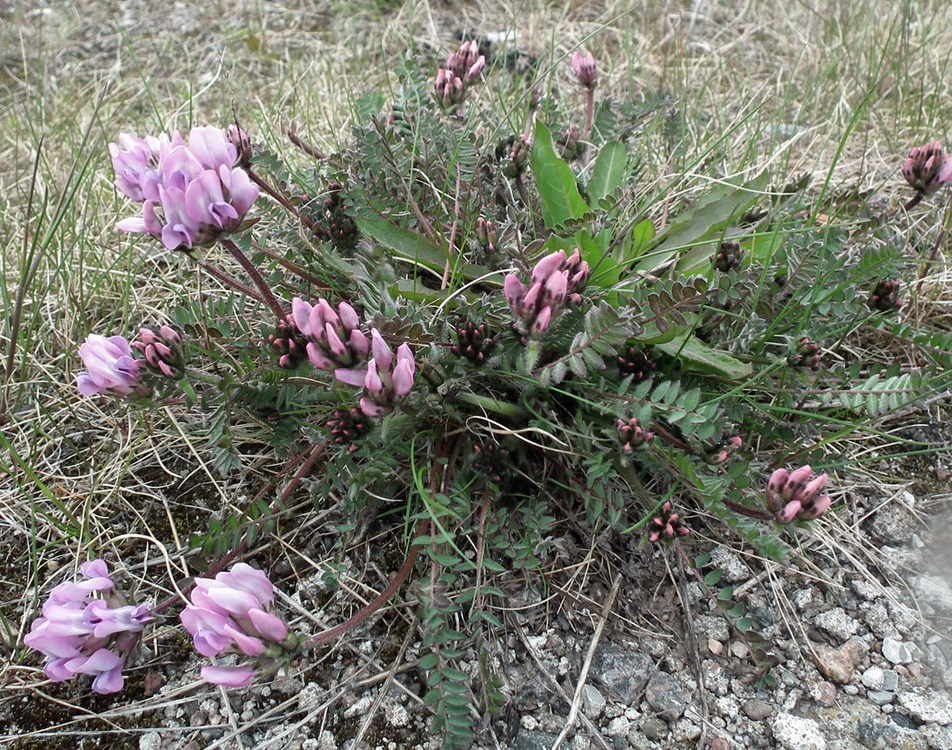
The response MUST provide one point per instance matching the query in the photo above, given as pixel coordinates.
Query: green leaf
(698, 356)
(609, 171)
(641, 236)
(558, 191)
(428, 661)
(706, 220)
(744, 624)
(414, 247)
(712, 578)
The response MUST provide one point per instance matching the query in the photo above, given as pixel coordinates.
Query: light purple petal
(233, 677)
(268, 625)
(351, 377)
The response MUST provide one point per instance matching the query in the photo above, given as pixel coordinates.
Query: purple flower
(110, 367)
(554, 280)
(81, 634)
(384, 383)
(334, 337)
(191, 193)
(161, 350)
(585, 70)
(927, 169)
(791, 497)
(231, 613)
(461, 69)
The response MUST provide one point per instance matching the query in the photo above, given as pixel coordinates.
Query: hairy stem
(256, 276)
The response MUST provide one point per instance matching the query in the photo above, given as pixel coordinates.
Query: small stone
(837, 664)
(740, 649)
(934, 590)
(621, 671)
(757, 710)
(890, 680)
(712, 626)
(397, 715)
(824, 692)
(719, 743)
(592, 701)
(715, 647)
(865, 589)
(797, 733)
(939, 738)
(733, 567)
(802, 598)
(877, 735)
(927, 706)
(896, 651)
(667, 696)
(618, 727)
(873, 678)
(533, 740)
(837, 623)
(880, 697)
(654, 728)
(150, 741)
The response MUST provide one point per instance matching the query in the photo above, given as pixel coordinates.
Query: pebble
(733, 567)
(896, 651)
(593, 702)
(877, 735)
(618, 727)
(757, 710)
(653, 728)
(719, 743)
(621, 671)
(837, 664)
(667, 696)
(935, 591)
(740, 649)
(927, 706)
(938, 738)
(837, 623)
(880, 697)
(797, 733)
(715, 647)
(873, 678)
(150, 741)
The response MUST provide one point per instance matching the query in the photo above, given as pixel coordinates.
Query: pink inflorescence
(82, 634)
(793, 496)
(462, 68)
(927, 168)
(555, 279)
(191, 193)
(110, 367)
(162, 351)
(231, 613)
(667, 526)
(585, 69)
(336, 343)
(632, 435)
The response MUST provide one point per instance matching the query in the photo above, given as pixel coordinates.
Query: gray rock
(873, 678)
(150, 741)
(533, 740)
(593, 702)
(667, 696)
(837, 623)
(757, 710)
(880, 697)
(837, 664)
(797, 733)
(877, 735)
(927, 706)
(896, 651)
(653, 728)
(890, 680)
(734, 568)
(934, 590)
(938, 738)
(624, 673)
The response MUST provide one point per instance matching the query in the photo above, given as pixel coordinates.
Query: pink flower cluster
(793, 496)
(667, 526)
(927, 169)
(110, 367)
(555, 278)
(632, 435)
(82, 634)
(586, 72)
(335, 342)
(231, 613)
(461, 69)
(162, 351)
(190, 193)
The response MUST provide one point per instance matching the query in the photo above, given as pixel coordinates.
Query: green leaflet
(699, 357)
(707, 220)
(611, 166)
(558, 191)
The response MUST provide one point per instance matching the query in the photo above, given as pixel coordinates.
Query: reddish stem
(279, 197)
(760, 515)
(229, 280)
(256, 276)
(305, 147)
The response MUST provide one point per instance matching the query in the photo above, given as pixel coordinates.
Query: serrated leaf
(558, 191)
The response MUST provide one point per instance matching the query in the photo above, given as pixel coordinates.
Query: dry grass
(837, 90)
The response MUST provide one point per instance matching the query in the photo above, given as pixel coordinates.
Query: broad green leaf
(605, 270)
(698, 356)
(706, 220)
(712, 578)
(642, 235)
(611, 166)
(558, 191)
(413, 247)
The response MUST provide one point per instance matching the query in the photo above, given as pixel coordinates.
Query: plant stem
(491, 404)
(227, 279)
(279, 198)
(760, 515)
(256, 276)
